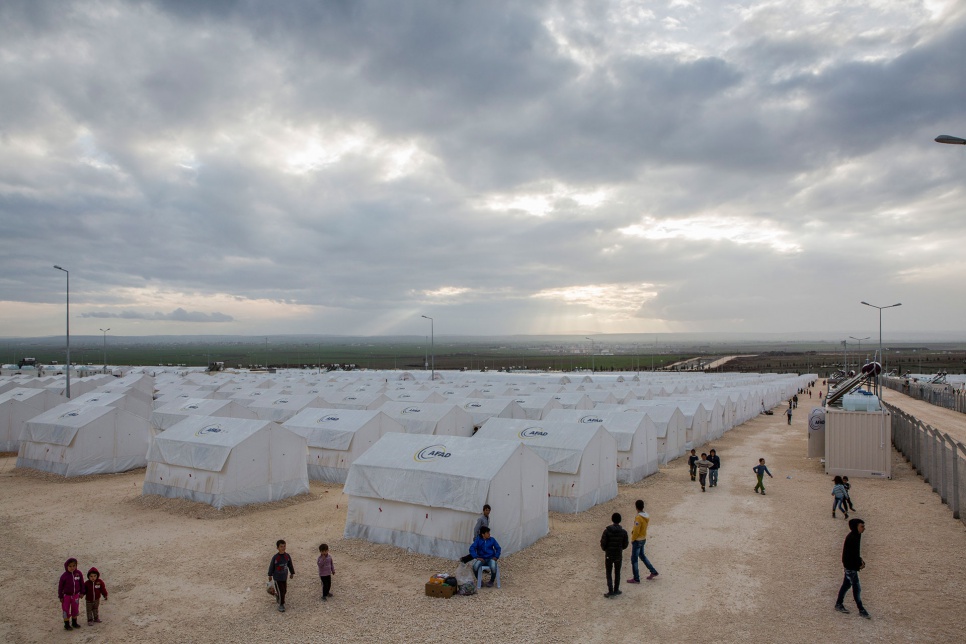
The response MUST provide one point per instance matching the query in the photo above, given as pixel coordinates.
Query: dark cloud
(347, 160)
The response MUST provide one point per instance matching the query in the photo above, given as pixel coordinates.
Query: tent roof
(450, 472)
(203, 442)
(330, 428)
(560, 444)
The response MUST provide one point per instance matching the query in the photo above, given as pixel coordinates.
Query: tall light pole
(104, 331)
(593, 366)
(881, 355)
(68, 327)
(852, 337)
(432, 344)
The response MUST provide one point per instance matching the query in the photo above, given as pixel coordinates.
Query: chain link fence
(936, 456)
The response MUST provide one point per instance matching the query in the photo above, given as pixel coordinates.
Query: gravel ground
(735, 566)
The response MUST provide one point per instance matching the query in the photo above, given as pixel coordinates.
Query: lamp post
(953, 140)
(881, 355)
(104, 331)
(68, 327)
(432, 344)
(593, 366)
(852, 337)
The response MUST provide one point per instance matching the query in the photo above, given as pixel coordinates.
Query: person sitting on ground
(486, 551)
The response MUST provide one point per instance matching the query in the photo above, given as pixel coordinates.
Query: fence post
(944, 476)
(954, 499)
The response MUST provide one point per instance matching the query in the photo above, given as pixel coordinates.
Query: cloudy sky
(538, 167)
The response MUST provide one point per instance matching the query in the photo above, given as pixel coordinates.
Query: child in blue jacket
(485, 550)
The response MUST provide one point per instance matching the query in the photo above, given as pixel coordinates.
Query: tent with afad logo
(226, 461)
(76, 440)
(424, 493)
(581, 459)
(634, 432)
(337, 437)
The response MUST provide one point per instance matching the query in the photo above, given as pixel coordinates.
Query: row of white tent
(209, 439)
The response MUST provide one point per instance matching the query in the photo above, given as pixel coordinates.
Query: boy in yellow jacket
(638, 539)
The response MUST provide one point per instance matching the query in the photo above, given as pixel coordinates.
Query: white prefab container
(337, 437)
(581, 459)
(858, 443)
(424, 493)
(226, 461)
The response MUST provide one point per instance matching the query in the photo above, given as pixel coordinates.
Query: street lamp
(881, 355)
(104, 331)
(68, 327)
(592, 365)
(953, 140)
(852, 337)
(432, 344)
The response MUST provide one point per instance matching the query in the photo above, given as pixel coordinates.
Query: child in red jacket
(94, 589)
(69, 590)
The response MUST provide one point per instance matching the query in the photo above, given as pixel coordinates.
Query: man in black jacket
(853, 563)
(613, 542)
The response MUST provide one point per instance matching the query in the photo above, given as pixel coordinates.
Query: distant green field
(363, 355)
(556, 355)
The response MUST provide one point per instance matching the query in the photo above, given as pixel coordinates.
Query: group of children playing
(281, 565)
(70, 589)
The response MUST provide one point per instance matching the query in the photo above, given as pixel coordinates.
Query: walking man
(638, 539)
(853, 563)
(613, 542)
(788, 412)
(715, 466)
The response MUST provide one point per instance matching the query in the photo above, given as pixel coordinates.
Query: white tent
(424, 493)
(672, 428)
(75, 440)
(337, 437)
(280, 408)
(537, 406)
(636, 438)
(581, 460)
(174, 412)
(442, 419)
(134, 403)
(482, 409)
(354, 400)
(226, 461)
(19, 405)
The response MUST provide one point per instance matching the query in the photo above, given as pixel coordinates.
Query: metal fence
(939, 395)
(940, 459)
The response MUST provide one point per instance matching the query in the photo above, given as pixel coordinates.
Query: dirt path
(945, 420)
(735, 566)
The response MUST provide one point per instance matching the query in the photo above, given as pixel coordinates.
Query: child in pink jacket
(326, 570)
(69, 592)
